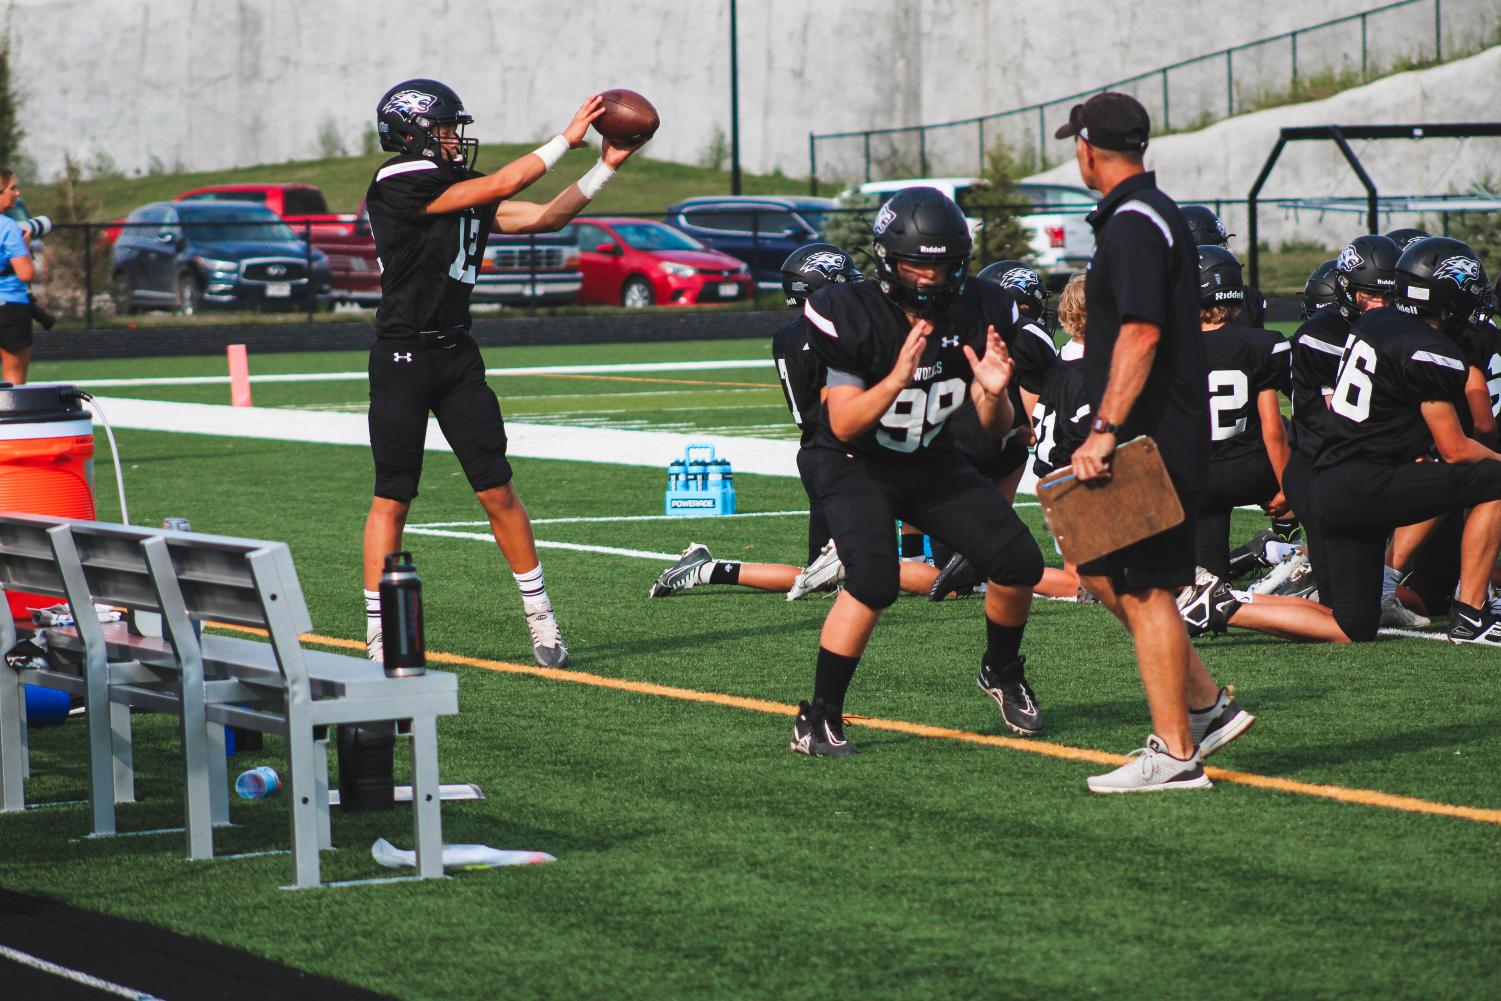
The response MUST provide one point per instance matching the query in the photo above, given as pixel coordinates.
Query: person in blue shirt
(16, 271)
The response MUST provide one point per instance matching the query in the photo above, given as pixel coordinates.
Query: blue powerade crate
(700, 484)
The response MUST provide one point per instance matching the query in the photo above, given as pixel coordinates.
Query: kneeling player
(903, 352)
(1398, 397)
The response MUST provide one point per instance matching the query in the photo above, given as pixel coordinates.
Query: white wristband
(592, 183)
(552, 151)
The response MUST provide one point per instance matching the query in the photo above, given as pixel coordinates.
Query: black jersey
(1253, 313)
(1317, 347)
(1062, 417)
(1392, 365)
(1033, 352)
(1481, 346)
(428, 262)
(801, 374)
(858, 333)
(1242, 362)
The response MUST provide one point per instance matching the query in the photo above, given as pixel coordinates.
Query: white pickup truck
(1062, 242)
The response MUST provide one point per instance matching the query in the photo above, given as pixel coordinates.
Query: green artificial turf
(698, 857)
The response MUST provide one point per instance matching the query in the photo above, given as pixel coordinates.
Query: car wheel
(189, 295)
(637, 293)
(123, 293)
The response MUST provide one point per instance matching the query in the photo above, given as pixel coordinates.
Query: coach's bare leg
(511, 526)
(383, 527)
(848, 626)
(14, 366)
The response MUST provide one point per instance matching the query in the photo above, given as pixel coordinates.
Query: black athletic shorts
(15, 326)
(1358, 504)
(1246, 479)
(943, 494)
(410, 378)
(818, 518)
(1297, 486)
(1164, 560)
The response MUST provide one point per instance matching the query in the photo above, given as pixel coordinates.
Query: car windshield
(222, 224)
(654, 236)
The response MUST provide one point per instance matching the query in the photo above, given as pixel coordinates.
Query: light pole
(734, 105)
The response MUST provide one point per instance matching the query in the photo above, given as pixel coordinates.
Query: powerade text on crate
(700, 483)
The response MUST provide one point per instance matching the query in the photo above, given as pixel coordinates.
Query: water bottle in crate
(700, 483)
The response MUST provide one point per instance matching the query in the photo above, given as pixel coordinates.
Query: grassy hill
(644, 185)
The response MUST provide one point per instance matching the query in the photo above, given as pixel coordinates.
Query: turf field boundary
(1342, 794)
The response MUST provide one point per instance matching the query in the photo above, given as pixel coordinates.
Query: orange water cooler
(46, 461)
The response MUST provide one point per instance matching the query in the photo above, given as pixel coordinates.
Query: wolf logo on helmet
(826, 263)
(409, 102)
(1459, 270)
(884, 218)
(1349, 259)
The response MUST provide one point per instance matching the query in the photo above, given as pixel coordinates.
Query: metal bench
(209, 681)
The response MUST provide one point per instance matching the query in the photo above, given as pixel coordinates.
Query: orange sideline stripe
(1342, 794)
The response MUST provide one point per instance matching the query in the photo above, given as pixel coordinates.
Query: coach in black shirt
(1144, 369)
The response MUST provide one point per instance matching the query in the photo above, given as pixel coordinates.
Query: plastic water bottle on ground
(258, 783)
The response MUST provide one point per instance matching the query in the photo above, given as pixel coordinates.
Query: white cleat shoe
(374, 648)
(548, 647)
(823, 574)
(1152, 769)
(1396, 615)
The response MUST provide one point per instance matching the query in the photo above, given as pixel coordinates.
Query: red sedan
(640, 262)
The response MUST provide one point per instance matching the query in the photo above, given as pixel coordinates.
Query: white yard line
(77, 976)
(616, 518)
(571, 546)
(645, 366)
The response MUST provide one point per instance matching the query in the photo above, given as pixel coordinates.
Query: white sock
(706, 570)
(533, 588)
(372, 614)
(1389, 580)
(1277, 551)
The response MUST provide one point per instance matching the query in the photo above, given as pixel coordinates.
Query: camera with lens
(36, 227)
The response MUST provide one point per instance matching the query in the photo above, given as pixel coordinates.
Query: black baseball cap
(1111, 120)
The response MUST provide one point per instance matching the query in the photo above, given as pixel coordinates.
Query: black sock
(1002, 646)
(724, 573)
(1287, 529)
(911, 546)
(831, 678)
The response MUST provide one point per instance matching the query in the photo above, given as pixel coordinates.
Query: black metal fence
(1180, 96)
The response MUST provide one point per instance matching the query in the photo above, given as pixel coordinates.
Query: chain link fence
(1305, 64)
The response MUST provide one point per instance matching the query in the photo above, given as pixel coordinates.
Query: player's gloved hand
(993, 371)
(588, 111)
(1092, 459)
(911, 353)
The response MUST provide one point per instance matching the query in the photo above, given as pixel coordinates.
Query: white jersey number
(1352, 393)
(915, 409)
(461, 270)
(1229, 391)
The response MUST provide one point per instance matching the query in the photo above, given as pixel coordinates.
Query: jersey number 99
(916, 416)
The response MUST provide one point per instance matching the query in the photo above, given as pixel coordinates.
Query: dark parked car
(188, 255)
(761, 230)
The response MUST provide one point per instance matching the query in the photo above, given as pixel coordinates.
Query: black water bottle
(401, 617)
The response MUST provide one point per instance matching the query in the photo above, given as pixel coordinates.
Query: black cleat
(1207, 606)
(1474, 625)
(959, 576)
(1011, 692)
(819, 733)
(1252, 555)
(683, 574)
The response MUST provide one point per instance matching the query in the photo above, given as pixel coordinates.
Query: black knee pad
(875, 586)
(1017, 564)
(1360, 626)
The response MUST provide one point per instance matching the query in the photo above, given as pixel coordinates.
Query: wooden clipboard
(1093, 520)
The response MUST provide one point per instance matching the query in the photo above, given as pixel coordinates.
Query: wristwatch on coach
(1102, 426)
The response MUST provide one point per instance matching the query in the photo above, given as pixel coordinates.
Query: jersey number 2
(913, 409)
(462, 268)
(1229, 392)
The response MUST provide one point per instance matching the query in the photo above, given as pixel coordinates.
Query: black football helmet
(408, 113)
(1221, 282)
(1205, 226)
(1366, 265)
(1026, 287)
(812, 266)
(1404, 238)
(1321, 292)
(1441, 278)
(922, 225)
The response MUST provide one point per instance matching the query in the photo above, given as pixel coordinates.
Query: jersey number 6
(1352, 393)
(913, 409)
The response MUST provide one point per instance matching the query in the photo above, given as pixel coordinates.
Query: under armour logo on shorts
(398, 356)
(948, 342)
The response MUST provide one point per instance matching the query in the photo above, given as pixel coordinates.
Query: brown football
(629, 118)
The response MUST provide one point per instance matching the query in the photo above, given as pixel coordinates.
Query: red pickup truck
(353, 268)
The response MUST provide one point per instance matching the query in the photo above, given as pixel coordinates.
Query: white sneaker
(823, 574)
(548, 647)
(1280, 573)
(1152, 769)
(374, 648)
(1394, 614)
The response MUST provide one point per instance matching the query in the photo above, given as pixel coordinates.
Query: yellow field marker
(1342, 794)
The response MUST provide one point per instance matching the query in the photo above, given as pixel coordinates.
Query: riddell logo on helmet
(925, 249)
(1229, 294)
